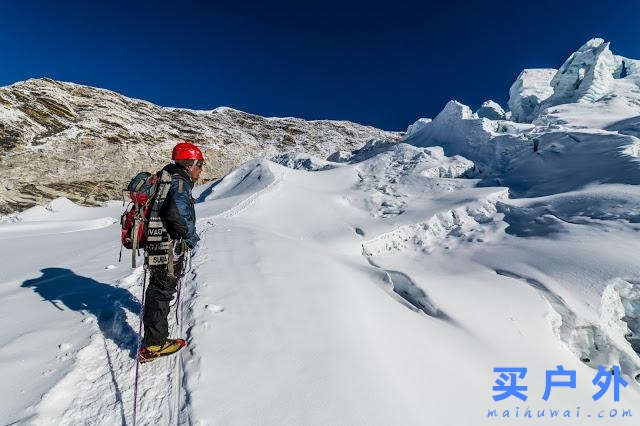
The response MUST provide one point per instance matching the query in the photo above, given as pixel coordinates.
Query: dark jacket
(178, 212)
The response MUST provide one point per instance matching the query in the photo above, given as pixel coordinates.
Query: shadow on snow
(63, 288)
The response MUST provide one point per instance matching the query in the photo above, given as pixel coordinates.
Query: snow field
(380, 286)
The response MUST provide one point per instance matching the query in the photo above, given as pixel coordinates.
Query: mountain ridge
(43, 120)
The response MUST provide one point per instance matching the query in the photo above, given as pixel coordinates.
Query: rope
(135, 384)
(178, 361)
(186, 261)
(178, 299)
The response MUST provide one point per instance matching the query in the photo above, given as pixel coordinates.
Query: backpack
(140, 223)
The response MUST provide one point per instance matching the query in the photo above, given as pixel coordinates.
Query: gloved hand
(192, 241)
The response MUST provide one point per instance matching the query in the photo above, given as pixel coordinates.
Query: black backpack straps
(164, 185)
(158, 240)
(181, 181)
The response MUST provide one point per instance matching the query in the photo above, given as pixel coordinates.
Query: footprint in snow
(214, 308)
(64, 346)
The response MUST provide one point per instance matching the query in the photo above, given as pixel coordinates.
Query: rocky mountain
(84, 143)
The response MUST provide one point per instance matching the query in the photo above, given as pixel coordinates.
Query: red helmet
(186, 151)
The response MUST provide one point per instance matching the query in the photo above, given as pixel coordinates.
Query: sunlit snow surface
(379, 289)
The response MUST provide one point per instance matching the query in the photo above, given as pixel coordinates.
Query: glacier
(491, 110)
(378, 286)
(528, 91)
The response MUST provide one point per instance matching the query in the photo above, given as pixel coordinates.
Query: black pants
(156, 302)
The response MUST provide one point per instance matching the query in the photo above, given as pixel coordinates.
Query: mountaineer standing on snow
(179, 219)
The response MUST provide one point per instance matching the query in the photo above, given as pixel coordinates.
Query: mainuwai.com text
(556, 413)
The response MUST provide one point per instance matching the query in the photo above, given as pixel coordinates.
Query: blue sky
(379, 64)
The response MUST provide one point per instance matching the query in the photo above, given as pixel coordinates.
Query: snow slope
(312, 300)
(380, 288)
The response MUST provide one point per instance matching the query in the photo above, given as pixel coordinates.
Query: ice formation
(530, 88)
(491, 110)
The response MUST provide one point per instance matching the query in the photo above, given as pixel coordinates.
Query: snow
(590, 75)
(530, 88)
(455, 124)
(380, 286)
(608, 113)
(298, 160)
(460, 132)
(491, 110)
(417, 125)
(339, 156)
(585, 76)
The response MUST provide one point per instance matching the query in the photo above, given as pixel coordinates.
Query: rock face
(528, 91)
(64, 139)
(491, 110)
